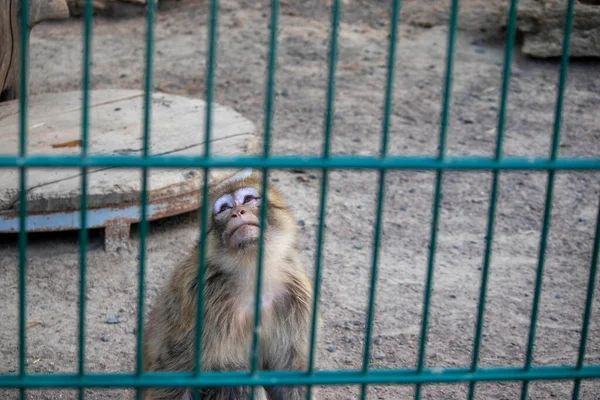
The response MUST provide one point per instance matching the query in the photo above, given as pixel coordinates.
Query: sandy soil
(298, 128)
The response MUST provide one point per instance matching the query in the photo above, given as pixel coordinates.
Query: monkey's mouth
(243, 225)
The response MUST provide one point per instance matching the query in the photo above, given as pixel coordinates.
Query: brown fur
(229, 308)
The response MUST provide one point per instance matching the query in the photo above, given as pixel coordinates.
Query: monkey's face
(235, 224)
(236, 218)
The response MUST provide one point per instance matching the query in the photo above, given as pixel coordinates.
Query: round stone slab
(177, 127)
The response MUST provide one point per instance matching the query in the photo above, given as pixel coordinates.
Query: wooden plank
(111, 187)
(177, 127)
(115, 123)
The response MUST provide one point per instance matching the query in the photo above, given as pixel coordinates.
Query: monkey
(232, 245)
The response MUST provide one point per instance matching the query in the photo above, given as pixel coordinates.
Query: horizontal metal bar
(316, 162)
(212, 379)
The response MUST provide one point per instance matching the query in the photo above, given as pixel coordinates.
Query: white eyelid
(240, 194)
(225, 199)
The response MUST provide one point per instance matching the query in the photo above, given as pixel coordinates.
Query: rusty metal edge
(101, 217)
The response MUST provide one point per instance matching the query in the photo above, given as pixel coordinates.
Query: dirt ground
(118, 61)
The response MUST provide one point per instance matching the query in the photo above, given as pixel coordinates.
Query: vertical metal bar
(511, 34)
(269, 109)
(549, 194)
(329, 118)
(589, 303)
(210, 77)
(438, 190)
(389, 97)
(144, 199)
(23, 194)
(318, 273)
(336, 11)
(255, 357)
(22, 276)
(212, 51)
(372, 294)
(83, 232)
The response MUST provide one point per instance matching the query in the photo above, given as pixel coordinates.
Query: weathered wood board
(116, 127)
(177, 127)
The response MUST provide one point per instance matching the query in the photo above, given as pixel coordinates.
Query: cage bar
(144, 194)
(474, 164)
(549, 195)
(23, 196)
(83, 232)
(438, 191)
(269, 110)
(589, 302)
(389, 97)
(328, 130)
(489, 239)
(204, 210)
(283, 378)
(318, 272)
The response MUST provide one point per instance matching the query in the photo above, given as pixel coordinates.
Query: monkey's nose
(241, 212)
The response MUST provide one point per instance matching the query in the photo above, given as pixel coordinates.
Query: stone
(113, 320)
(542, 23)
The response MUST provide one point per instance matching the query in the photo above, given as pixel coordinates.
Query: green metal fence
(417, 376)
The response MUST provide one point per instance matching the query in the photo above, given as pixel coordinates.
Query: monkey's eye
(248, 198)
(223, 204)
(246, 195)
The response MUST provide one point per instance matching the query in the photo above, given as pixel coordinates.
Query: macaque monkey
(229, 291)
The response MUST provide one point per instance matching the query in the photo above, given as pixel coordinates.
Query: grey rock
(542, 23)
